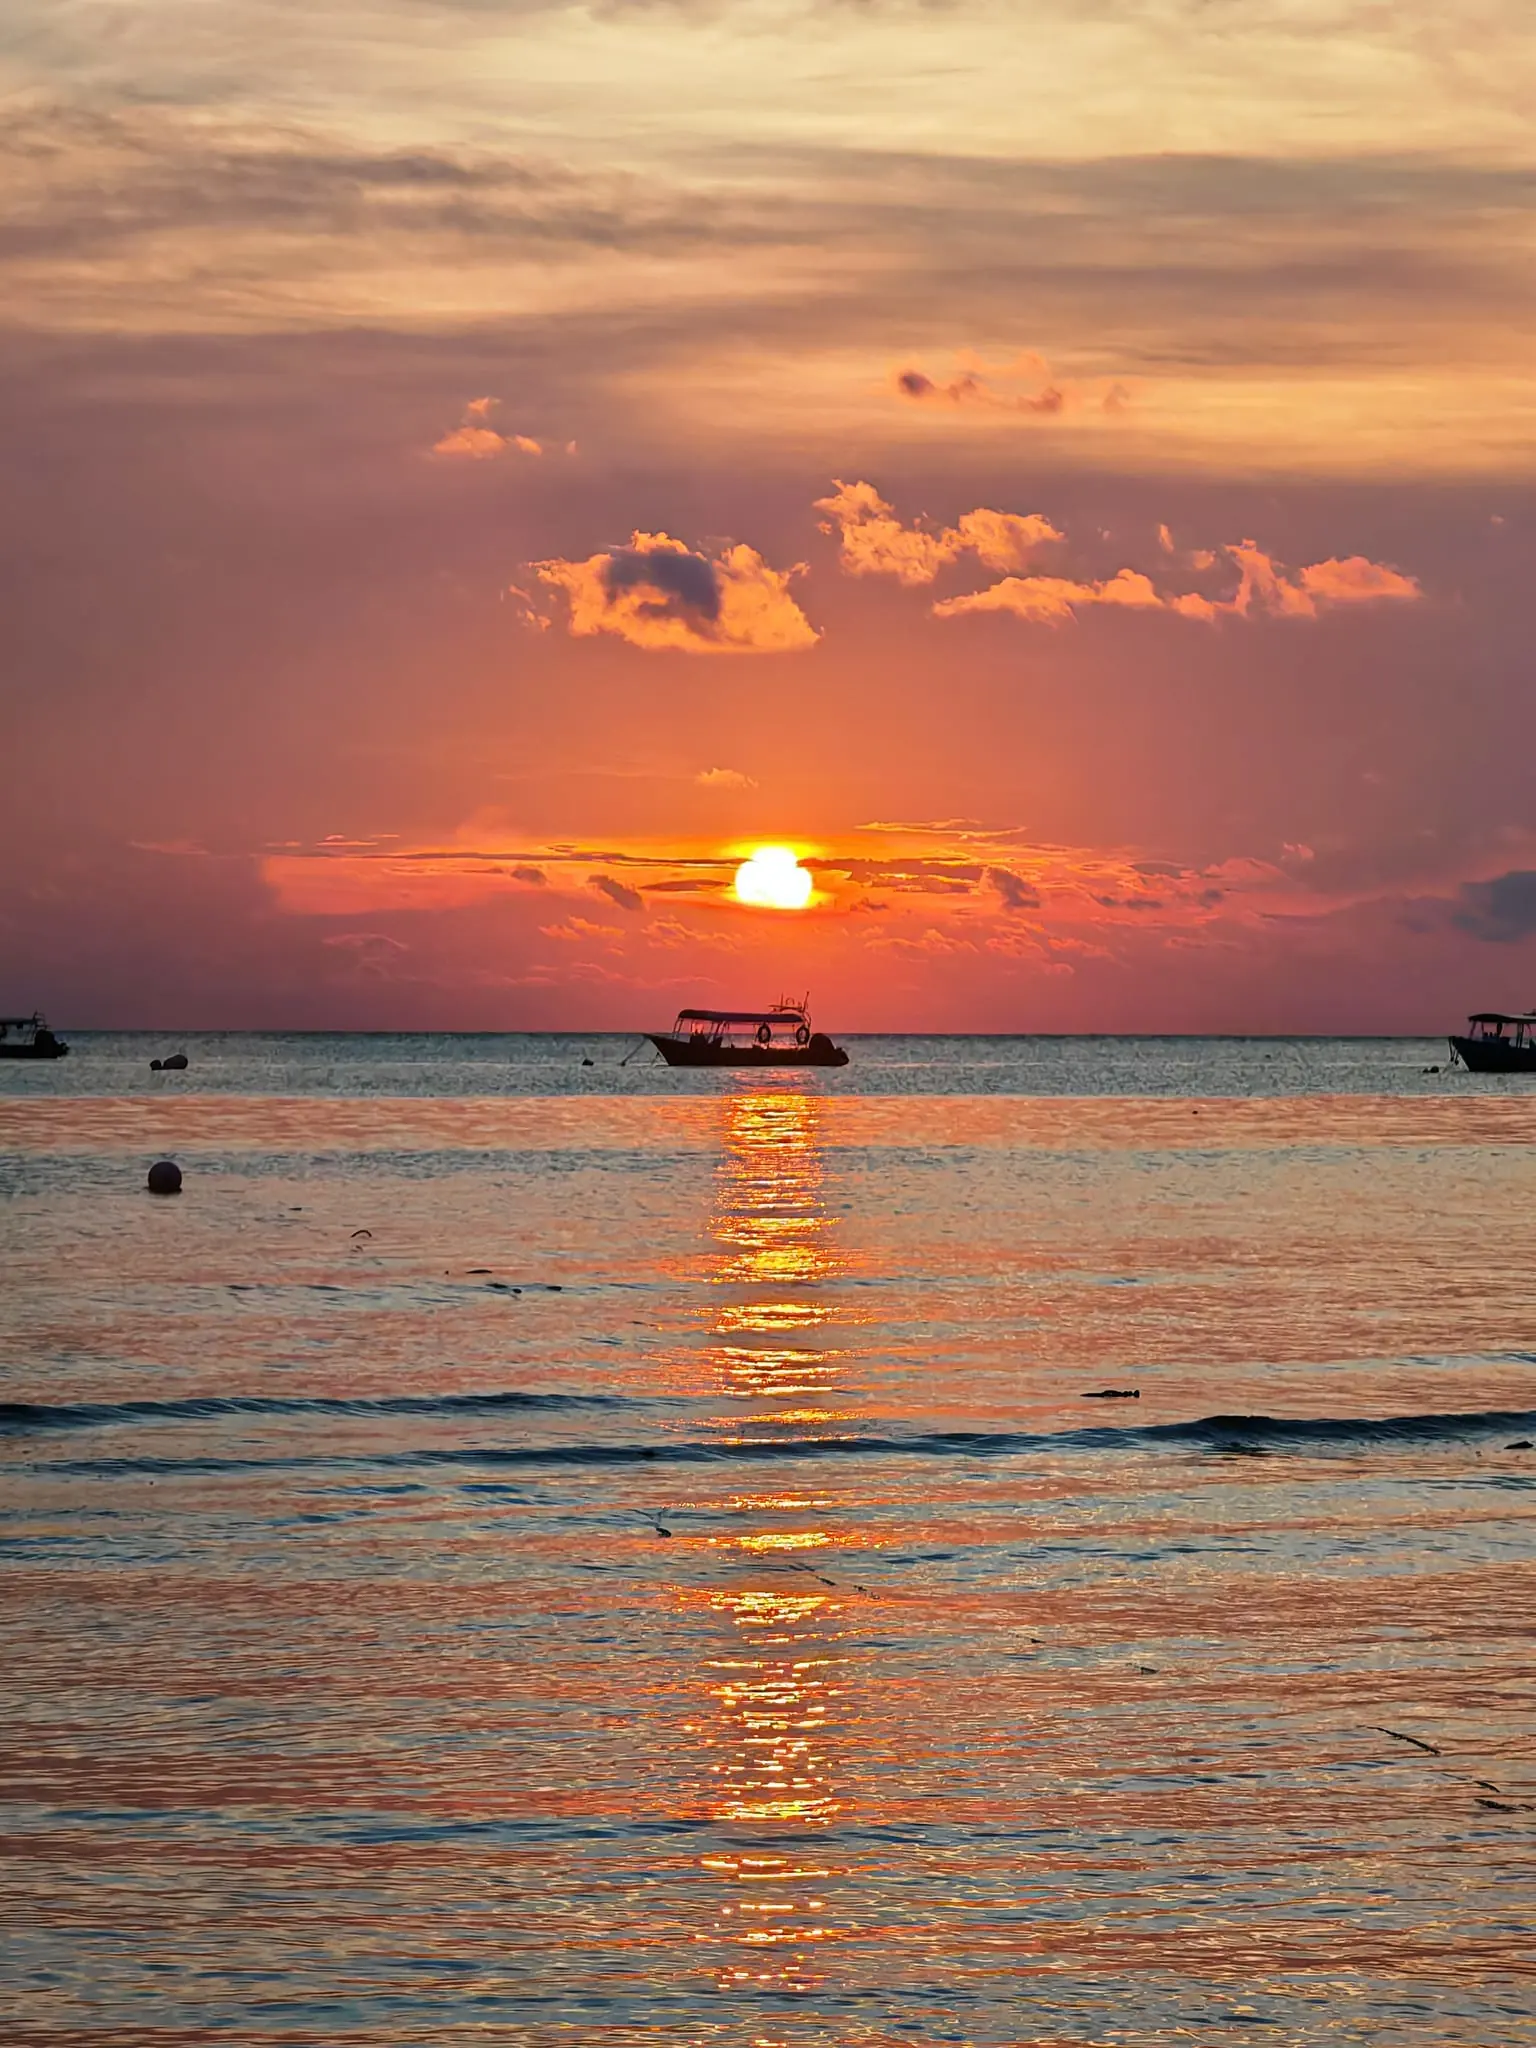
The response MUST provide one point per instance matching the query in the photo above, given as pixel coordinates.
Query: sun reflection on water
(769, 1751)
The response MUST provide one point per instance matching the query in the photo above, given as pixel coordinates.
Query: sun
(774, 878)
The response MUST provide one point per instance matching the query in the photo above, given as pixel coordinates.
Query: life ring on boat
(765, 1034)
(802, 1034)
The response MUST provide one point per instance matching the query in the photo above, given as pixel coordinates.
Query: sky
(476, 469)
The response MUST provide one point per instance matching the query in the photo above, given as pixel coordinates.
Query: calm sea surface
(526, 1552)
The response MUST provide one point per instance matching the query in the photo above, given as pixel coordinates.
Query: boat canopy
(1500, 1017)
(790, 1013)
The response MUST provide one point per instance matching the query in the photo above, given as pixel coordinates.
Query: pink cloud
(659, 593)
(1355, 580)
(873, 540)
(575, 930)
(875, 543)
(1054, 600)
(1004, 540)
(475, 440)
(1265, 587)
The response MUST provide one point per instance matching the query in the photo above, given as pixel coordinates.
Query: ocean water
(521, 1552)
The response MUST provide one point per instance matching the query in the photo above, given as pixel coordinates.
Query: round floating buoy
(820, 1044)
(156, 1066)
(165, 1178)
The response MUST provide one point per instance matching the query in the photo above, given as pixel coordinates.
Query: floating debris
(1428, 1747)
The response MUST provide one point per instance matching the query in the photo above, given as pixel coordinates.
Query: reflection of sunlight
(774, 1701)
(780, 1418)
(773, 1315)
(771, 1225)
(751, 1503)
(766, 1750)
(768, 1770)
(774, 1373)
(773, 1239)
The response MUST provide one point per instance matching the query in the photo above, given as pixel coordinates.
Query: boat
(1486, 1048)
(780, 1037)
(28, 1038)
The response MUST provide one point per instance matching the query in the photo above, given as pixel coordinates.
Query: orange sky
(478, 471)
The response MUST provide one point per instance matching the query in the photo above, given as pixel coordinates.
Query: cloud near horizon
(659, 593)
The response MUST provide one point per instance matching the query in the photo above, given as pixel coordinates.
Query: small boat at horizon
(1484, 1049)
(28, 1038)
(780, 1037)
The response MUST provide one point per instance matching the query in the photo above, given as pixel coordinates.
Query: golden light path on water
(779, 1695)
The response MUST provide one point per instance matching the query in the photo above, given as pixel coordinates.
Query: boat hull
(683, 1052)
(1494, 1056)
(56, 1051)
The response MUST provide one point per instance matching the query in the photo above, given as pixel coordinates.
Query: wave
(1260, 1435)
(1263, 1432)
(19, 1416)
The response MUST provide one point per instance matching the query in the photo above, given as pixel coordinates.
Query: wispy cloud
(976, 388)
(1053, 600)
(617, 892)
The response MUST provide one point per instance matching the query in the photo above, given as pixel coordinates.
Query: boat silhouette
(28, 1038)
(780, 1037)
(1485, 1049)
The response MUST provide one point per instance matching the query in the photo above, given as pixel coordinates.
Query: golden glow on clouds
(774, 879)
(659, 593)
(874, 542)
(553, 161)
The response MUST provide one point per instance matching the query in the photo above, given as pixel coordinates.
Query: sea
(1016, 1541)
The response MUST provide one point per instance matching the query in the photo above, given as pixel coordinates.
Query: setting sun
(774, 878)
